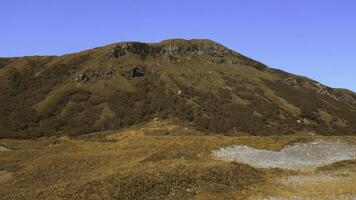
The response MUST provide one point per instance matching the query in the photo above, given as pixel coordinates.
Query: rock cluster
(82, 78)
(291, 81)
(94, 75)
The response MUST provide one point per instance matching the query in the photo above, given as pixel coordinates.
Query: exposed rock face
(144, 49)
(131, 47)
(323, 90)
(212, 50)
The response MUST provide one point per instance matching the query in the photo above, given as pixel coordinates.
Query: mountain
(196, 82)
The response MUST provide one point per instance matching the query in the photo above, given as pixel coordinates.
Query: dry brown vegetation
(125, 165)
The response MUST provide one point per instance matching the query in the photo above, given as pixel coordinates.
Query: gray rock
(82, 78)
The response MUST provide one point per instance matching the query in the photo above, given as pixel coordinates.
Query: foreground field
(161, 160)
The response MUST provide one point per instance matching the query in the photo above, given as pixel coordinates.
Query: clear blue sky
(315, 38)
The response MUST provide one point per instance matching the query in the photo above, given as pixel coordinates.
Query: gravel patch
(298, 156)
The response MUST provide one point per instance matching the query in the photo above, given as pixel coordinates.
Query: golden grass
(140, 162)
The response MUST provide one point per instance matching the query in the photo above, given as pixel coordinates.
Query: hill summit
(197, 82)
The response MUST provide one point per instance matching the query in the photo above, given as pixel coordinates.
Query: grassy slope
(221, 92)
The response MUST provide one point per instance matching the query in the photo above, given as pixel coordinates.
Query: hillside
(199, 83)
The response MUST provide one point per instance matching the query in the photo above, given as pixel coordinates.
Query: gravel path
(298, 156)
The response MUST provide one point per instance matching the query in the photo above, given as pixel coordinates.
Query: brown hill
(197, 82)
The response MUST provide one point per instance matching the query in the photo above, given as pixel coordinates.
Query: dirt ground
(160, 161)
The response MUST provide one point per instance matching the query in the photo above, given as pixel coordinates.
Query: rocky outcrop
(323, 90)
(212, 50)
(131, 47)
(144, 49)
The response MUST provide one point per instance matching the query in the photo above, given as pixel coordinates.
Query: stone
(109, 73)
(136, 72)
(82, 78)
